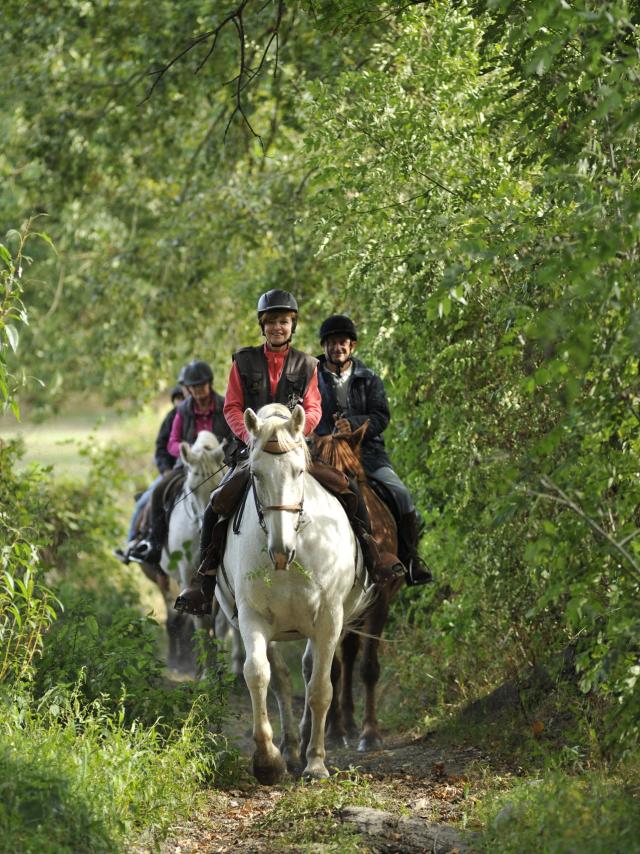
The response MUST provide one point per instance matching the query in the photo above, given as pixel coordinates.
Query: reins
(197, 486)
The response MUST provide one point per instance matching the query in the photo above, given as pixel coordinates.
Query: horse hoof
(268, 773)
(294, 767)
(369, 742)
(318, 773)
(336, 740)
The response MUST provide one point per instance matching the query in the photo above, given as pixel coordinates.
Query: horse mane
(274, 430)
(336, 450)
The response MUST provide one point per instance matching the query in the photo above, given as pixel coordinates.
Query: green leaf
(12, 335)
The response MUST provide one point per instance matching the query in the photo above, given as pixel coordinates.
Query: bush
(113, 657)
(591, 813)
(26, 605)
(76, 778)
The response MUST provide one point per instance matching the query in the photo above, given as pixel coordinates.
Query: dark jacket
(162, 458)
(220, 428)
(367, 401)
(254, 372)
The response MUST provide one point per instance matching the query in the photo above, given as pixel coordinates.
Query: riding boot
(197, 598)
(149, 549)
(416, 570)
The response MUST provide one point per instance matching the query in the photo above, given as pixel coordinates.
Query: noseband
(274, 448)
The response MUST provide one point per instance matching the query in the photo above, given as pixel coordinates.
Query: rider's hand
(342, 425)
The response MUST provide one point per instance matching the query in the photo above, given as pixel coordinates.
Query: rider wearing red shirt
(273, 373)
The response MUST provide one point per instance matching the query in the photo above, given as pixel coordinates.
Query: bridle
(274, 448)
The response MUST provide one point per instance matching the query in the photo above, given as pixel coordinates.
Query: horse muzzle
(282, 560)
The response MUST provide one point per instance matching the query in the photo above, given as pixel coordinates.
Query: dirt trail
(414, 777)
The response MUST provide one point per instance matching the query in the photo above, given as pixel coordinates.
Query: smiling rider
(274, 372)
(352, 395)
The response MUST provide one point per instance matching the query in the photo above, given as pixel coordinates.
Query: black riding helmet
(197, 373)
(276, 300)
(177, 393)
(338, 324)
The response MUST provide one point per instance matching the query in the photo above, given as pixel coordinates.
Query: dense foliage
(461, 176)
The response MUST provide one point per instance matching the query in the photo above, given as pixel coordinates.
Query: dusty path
(414, 777)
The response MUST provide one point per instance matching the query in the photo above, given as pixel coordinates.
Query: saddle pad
(386, 496)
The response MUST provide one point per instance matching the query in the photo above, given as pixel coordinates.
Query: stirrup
(193, 601)
(421, 576)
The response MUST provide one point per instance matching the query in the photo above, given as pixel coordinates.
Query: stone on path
(395, 834)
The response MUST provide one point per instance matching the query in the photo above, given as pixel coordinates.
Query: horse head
(342, 451)
(204, 464)
(278, 461)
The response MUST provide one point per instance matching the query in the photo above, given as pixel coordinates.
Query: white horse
(293, 570)
(204, 467)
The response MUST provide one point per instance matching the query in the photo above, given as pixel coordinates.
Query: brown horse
(342, 450)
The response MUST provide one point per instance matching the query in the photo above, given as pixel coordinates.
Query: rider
(202, 410)
(272, 373)
(164, 463)
(353, 394)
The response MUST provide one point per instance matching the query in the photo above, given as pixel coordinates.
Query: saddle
(230, 497)
(172, 489)
(386, 496)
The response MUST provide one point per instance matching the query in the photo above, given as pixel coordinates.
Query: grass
(73, 778)
(307, 816)
(593, 812)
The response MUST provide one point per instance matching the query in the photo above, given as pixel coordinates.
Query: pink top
(204, 421)
(234, 398)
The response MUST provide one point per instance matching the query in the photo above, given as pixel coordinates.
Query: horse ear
(355, 439)
(252, 422)
(185, 452)
(296, 422)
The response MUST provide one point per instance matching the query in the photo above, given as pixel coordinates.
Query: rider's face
(338, 349)
(200, 393)
(277, 327)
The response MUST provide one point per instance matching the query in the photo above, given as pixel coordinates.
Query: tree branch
(246, 74)
(562, 498)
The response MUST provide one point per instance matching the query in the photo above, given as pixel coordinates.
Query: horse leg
(173, 636)
(281, 683)
(268, 764)
(237, 653)
(206, 647)
(336, 732)
(222, 629)
(305, 723)
(186, 654)
(318, 697)
(370, 738)
(350, 647)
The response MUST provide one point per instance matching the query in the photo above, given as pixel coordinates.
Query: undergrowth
(97, 748)
(77, 778)
(593, 811)
(309, 814)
